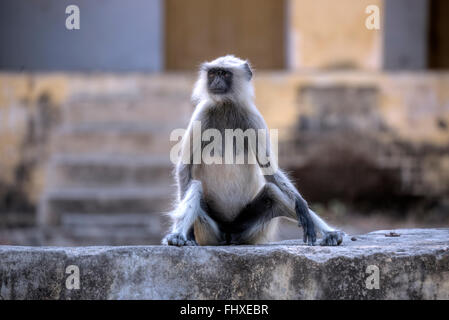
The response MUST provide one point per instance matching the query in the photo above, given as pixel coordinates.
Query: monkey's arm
(189, 195)
(188, 211)
(191, 224)
(183, 178)
(184, 216)
(183, 171)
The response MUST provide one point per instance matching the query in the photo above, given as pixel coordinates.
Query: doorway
(200, 30)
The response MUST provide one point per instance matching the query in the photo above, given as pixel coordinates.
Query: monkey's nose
(218, 87)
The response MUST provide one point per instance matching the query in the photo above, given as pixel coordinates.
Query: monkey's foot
(177, 239)
(332, 238)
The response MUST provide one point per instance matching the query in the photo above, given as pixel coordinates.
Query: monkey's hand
(304, 219)
(332, 238)
(177, 239)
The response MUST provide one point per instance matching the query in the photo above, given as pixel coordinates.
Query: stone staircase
(109, 179)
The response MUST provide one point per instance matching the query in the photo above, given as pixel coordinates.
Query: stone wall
(29, 111)
(413, 264)
(332, 35)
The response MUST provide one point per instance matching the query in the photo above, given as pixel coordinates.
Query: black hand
(302, 212)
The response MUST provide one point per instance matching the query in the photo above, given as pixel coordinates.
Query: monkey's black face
(219, 80)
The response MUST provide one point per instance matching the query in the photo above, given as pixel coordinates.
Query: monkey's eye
(211, 75)
(227, 74)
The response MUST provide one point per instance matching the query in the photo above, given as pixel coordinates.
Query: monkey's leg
(206, 231)
(187, 215)
(297, 209)
(294, 206)
(270, 203)
(331, 237)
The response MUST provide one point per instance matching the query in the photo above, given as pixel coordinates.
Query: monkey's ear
(248, 70)
(203, 66)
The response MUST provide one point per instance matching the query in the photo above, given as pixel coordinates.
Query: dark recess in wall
(438, 45)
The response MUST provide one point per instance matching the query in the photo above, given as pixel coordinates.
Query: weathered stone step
(156, 110)
(112, 237)
(114, 140)
(137, 220)
(131, 86)
(413, 265)
(74, 236)
(90, 170)
(117, 228)
(57, 202)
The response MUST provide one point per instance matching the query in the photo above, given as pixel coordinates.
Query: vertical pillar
(405, 33)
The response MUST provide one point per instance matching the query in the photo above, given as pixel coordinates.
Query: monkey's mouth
(218, 91)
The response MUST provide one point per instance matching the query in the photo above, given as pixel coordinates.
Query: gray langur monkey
(222, 204)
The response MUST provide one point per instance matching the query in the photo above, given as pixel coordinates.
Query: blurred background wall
(112, 36)
(85, 115)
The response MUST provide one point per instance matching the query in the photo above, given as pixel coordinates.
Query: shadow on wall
(18, 204)
(342, 149)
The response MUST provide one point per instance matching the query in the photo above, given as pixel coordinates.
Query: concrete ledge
(414, 265)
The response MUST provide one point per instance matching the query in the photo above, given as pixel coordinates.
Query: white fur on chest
(229, 187)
